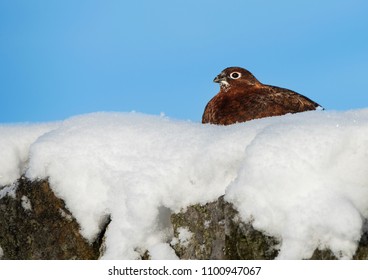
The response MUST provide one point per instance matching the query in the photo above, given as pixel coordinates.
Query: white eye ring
(235, 75)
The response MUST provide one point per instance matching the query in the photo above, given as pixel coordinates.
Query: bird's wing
(291, 100)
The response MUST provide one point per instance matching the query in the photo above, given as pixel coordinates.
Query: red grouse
(242, 98)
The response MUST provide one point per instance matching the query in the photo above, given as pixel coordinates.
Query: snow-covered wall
(302, 178)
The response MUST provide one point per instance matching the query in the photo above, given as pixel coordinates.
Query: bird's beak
(219, 78)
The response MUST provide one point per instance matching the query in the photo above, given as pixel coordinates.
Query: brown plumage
(242, 98)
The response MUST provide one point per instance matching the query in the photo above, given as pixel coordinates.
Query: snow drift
(302, 178)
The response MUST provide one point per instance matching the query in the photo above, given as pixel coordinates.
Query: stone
(36, 225)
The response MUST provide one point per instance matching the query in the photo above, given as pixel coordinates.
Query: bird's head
(235, 77)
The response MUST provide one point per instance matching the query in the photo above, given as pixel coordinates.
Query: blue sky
(64, 58)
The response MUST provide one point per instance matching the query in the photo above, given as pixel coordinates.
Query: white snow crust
(302, 178)
(26, 203)
(15, 141)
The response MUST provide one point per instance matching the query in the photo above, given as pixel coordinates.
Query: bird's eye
(235, 75)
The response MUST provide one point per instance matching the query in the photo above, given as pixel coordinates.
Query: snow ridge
(302, 178)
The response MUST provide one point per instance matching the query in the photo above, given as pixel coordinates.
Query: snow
(26, 203)
(162, 251)
(305, 180)
(14, 145)
(301, 178)
(184, 236)
(131, 166)
(8, 190)
(65, 215)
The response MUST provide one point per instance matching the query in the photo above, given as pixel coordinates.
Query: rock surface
(36, 225)
(218, 233)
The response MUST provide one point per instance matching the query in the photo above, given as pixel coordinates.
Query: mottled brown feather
(245, 98)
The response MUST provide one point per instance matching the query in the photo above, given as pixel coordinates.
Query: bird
(243, 98)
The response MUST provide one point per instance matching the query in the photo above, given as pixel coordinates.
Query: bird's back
(241, 105)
